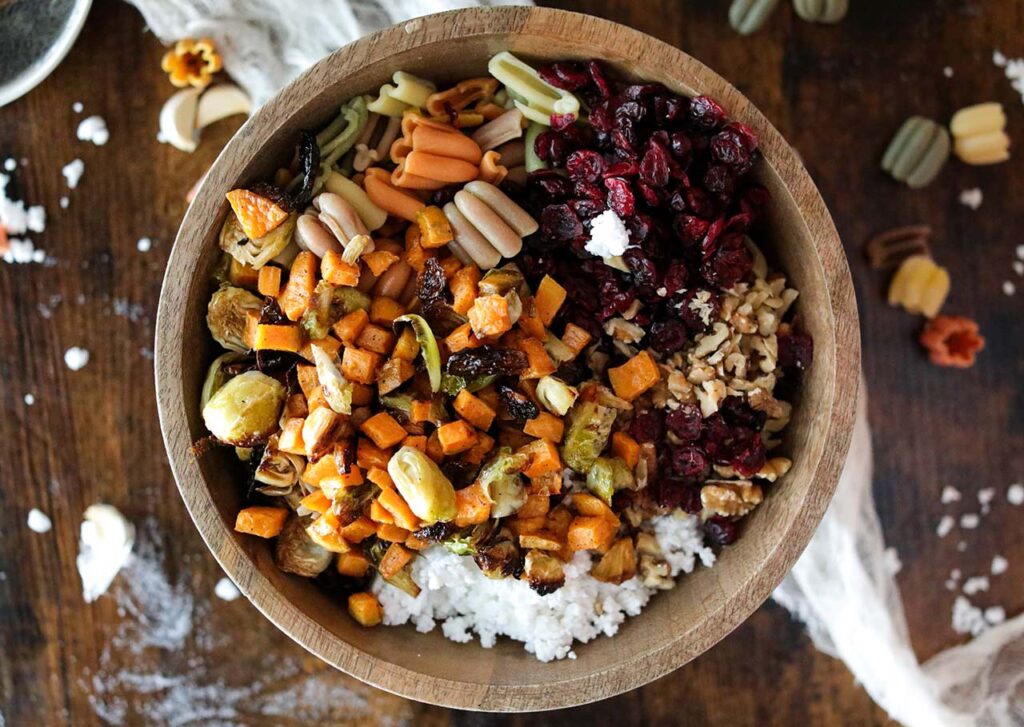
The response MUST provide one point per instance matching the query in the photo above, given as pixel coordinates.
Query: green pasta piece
(918, 152)
(932, 162)
(747, 16)
(897, 143)
(532, 161)
(532, 95)
(821, 11)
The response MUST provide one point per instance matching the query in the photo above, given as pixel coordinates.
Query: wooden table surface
(161, 649)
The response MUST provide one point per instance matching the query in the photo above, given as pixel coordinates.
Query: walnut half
(730, 499)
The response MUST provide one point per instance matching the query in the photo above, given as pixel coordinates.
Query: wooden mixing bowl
(677, 625)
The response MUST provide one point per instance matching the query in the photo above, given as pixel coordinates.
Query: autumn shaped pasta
(920, 286)
(431, 154)
(537, 99)
(979, 134)
(371, 215)
(501, 130)
(374, 144)
(749, 16)
(821, 11)
(892, 247)
(952, 341)
(464, 94)
(407, 93)
(917, 153)
(385, 195)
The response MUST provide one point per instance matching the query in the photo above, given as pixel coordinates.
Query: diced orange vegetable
(416, 441)
(350, 326)
(549, 298)
(544, 458)
(353, 564)
(590, 533)
(256, 215)
(242, 275)
(369, 455)
(384, 310)
(392, 533)
(473, 410)
(592, 506)
(393, 374)
(252, 322)
(415, 254)
(634, 377)
(575, 337)
(316, 501)
(489, 396)
(455, 437)
(265, 522)
(338, 272)
(434, 228)
(337, 482)
(365, 609)
(380, 515)
(464, 288)
(534, 506)
(472, 506)
(462, 337)
(290, 439)
(524, 525)
(549, 484)
(414, 543)
(480, 450)
(450, 265)
(295, 406)
(297, 294)
(308, 380)
(540, 540)
(326, 532)
(362, 394)
(545, 426)
(277, 337)
(379, 260)
(529, 321)
(383, 430)
(419, 411)
(434, 450)
(359, 530)
(540, 362)
(489, 316)
(316, 399)
(269, 282)
(406, 347)
(626, 447)
(329, 344)
(380, 477)
(359, 365)
(376, 339)
(558, 521)
(396, 558)
(391, 501)
(316, 472)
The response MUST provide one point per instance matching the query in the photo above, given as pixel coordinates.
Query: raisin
(487, 361)
(517, 405)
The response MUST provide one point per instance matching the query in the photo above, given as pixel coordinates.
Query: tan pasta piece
(920, 286)
(469, 240)
(917, 153)
(821, 11)
(980, 135)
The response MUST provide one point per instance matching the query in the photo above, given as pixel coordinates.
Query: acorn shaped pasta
(979, 134)
(920, 286)
(748, 16)
(917, 153)
(821, 11)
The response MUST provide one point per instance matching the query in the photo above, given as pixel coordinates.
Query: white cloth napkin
(841, 587)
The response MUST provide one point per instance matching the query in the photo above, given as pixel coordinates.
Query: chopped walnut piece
(774, 468)
(952, 341)
(730, 499)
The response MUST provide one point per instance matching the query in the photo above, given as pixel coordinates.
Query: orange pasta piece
(463, 94)
(491, 170)
(425, 170)
(380, 190)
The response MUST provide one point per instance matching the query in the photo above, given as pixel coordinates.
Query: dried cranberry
(680, 145)
(597, 76)
(700, 203)
(698, 313)
(623, 169)
(738, 413)
(624, 138)
(755, 201)
(647, 426)
(616, 299)
(560, 222)
(719, 179)
(551, 184)
(689, 462)
(706, 114)
(602, 118)
(720, 531)
(565, 75)
(668, 336)
(561, 122)
(620, 196)
(551, 146)
(734, 146)
(676, 277)
(750, 458)
(642, 268)
(637, 91)
(685, 422)
(650, 194)
(669, 108)
(585, 165)
(587, 209)
(796, 350)
(689, 228)
(710, 242)
(630, 110)
(673, 492)
(729, 263)
(654, 165)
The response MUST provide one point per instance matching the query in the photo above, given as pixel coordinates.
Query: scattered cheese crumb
(75, 358)
(1018, 267)
(160, 137)
(947, 71)
(945, 526)
(105, 544)
(976, 584)
(10, 164)
(1015, 494)
(1020, 252)
(969, 521)
(950, 494)
(971, 198)
(961, 546)
(891, 561)
(968, 618)
(608, 236)
(144, 244)
(73, 172)
(995, 615)
(226, 590)
(77, 107)
(999, 565)
(1009, 288)
(23, 251)
(64, 202)
(985, 497)
(998, 58)
(38, 521)
(94, 129)
(1013, 68)
(29, 399)
(15, 217)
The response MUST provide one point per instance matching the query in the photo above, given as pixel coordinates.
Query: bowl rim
(407, 681)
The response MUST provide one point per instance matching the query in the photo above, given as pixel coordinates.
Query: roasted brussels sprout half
(500, 281)
(499, 560)
(317, 319)
(607, 475)
(336, 388)
(245, 410)
(255, 253)
(402, 580)
(543, 572)
(216, 377)
(556, 395)
(423, 485)
(502, 484)
(278, 472)
(590, 425)
(295, 552)
(226, 316)
(348, 300)
(452, 385)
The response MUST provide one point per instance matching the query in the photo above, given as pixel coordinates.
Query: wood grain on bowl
(677, 625)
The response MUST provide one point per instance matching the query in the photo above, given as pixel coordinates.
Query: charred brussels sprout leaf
(543, 572)
(295, 552)
(502, 484)
(348, 300)
(226, 316)
(316, 320)
(452, 385)
(499, 560)
(590, 425)
(501, 281)
(309, 165)
(217, 376)
(428, 347)
(487, 360)
(402, 580)
(608, 475)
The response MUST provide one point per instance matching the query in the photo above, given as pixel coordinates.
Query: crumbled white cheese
(1013, 68)
(77, 107)
(105, 546)
(891, 561)
(995, 615)
(999, 565)
(985, 497)
(75, 358)
(968, 618)
(998, 58)
(10, 164)
(962, 546)
(976, 584)
(971, 198)
(945, 526)
(947, 71)
(226, 590)
(23, 251)
(64, 202)
(15, 217)
(1018, 267)
(969, 521)
(38, 521)
(94, 129)
(144, 244)
(950, 494)
(73, 172)
(1009, 288)
(30, 399)
(609, 237)
(1015, 494)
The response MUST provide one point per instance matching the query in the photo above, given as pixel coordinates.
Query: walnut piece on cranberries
(952, 341)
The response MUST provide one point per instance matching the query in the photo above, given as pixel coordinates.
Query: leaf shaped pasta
(920, 286)
(532, 95)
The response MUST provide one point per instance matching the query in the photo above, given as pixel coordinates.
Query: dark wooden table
(161, 649)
